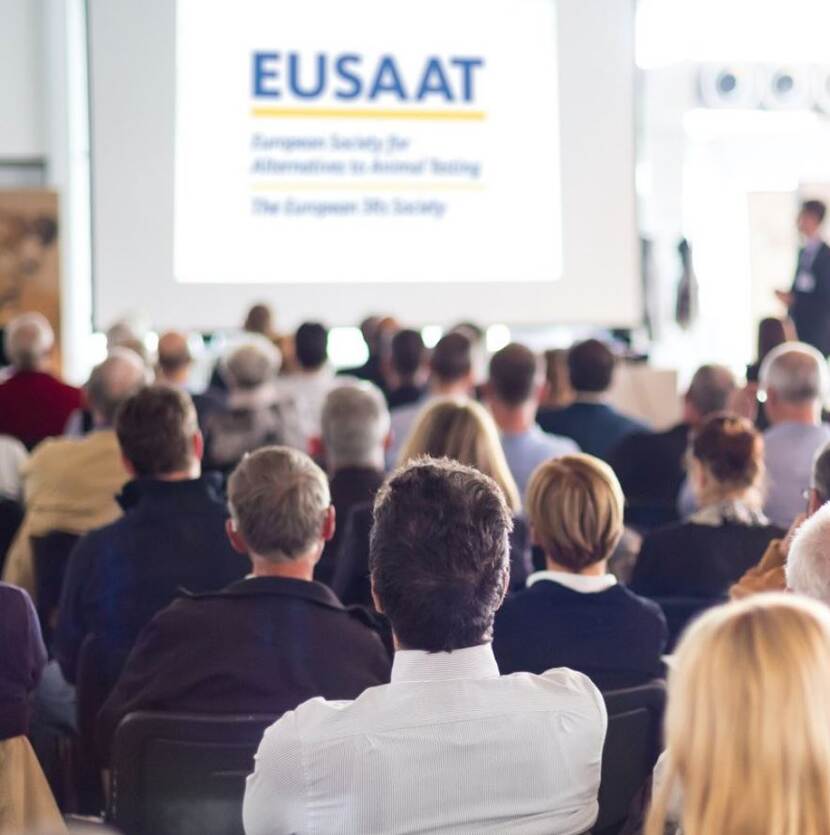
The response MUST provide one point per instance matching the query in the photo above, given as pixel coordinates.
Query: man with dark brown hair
(449, 745)
(172, 533)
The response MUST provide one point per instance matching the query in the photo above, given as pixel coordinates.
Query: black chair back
(11, 515)
(681, 611)
(632, 746)
(50, 556)
(182, 773)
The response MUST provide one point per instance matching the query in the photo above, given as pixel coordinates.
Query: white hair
(796, 372)
(808, 562)
(355, 423)
(28, 340)
(252, 365)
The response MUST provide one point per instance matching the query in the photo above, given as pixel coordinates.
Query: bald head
(117, 378)
(174, 357)
(29, 340)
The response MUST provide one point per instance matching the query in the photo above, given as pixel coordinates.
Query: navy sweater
(614, 637)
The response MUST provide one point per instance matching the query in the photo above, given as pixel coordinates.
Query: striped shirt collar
(583, 583)
(412, 665)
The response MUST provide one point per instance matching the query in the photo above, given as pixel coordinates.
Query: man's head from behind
(451, 364)
(28, 342)
(251, 366)
(808, 561)
(811, 217)
(439, 554)
(407, 355)
(794, 378)
(159, 435)
(819, 493)
(111, 382)
(355, 425)
(516, 377)
(591, 367)
(708, 393)
(174, 357)
(311, 346)
(280, 508)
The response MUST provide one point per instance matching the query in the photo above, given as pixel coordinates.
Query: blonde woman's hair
(575, 505)
(464, 431)
(748, 721)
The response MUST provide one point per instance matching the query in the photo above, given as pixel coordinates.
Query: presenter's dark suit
(810, 310)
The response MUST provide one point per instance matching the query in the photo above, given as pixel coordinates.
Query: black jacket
(811, 305)
(172, 534)
(614, 637)
(262, 645)
(693, 560)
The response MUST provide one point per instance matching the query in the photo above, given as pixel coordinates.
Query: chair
(632, 746)
(681, 611)
(11, 515)
(182, 773)
(50, 557)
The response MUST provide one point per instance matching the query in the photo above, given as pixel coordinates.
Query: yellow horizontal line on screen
(368, 187)
(365, 113)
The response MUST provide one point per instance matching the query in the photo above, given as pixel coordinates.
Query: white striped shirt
(449, 746)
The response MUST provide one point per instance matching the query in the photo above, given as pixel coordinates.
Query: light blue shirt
(525, 451)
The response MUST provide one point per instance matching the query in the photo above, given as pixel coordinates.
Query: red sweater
(35, 405)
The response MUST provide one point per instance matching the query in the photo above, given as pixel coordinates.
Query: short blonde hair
(464, 431)
(575, 506)
(748, 721)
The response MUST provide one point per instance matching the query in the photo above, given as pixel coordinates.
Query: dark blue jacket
(614, 637)
(596, 427)
(172, 535)
(22, 657)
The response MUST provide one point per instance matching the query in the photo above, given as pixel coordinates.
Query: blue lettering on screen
(348, 77)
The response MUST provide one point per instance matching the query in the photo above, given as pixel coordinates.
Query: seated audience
(748, 723)
(450, 375)
(172, 535)
(651, 466)
(376, 332)
(596, 426)
(34, 404)
(449, 745)
(26, 802)
(254, 414)
(408, 369)
(772, 332)
(513, 392)
(769, 574)
(794, 378)
(703, 556)
(355, 425)
(575, 614)
(461, 430)
(309, 386)
(268, 642)
(70, 484)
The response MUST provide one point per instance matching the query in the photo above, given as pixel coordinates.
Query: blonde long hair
(748, 721)
(464, 431)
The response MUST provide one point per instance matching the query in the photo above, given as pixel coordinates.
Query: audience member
(772, 332)
(808, 562)
(69, 484)
(309, 386)
(26, 802)
(703, 556)
(575, 614)
(376, 332)
(513, 392)
(452, 745)
(172, 535)
(748, 723)
(558, 392)
(408, 369)
(260, 320)
(596, 426)
(463, 431)
(355, 425)
(13, 458)
(253, 415)
(34, 404)
(794, 378)
(451, 375)
(651, 466)
(268, 642)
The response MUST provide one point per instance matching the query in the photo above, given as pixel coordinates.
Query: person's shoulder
(557, 445)
(638, 603)
(14, 597)
(561, 687)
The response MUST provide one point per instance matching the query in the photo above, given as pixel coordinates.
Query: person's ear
(814, 502)
(198, 446)
(235, 538)
(128, 466)
(375, 599)
(329, 523)
(316, 448)
(505, 584)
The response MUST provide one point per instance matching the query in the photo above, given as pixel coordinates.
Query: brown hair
(575, 505)
(731, 450)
